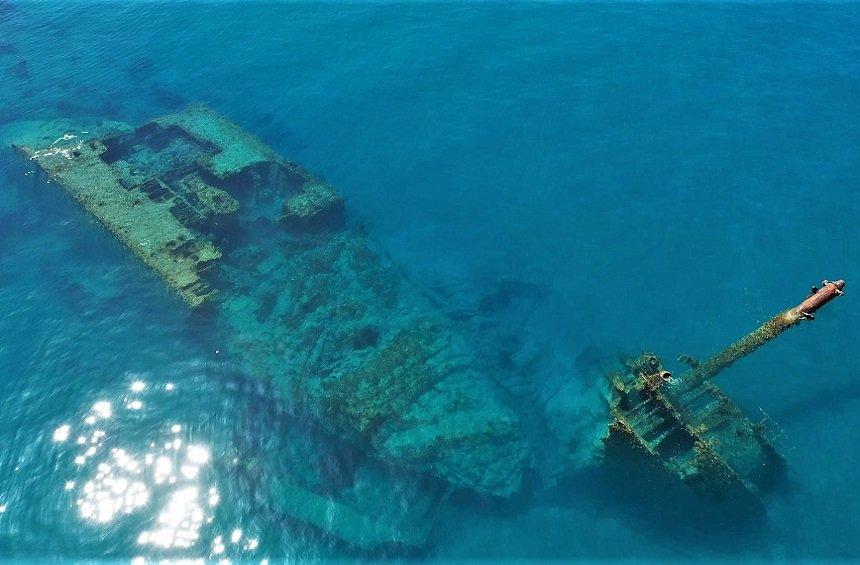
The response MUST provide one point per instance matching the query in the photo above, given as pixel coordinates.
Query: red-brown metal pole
(816, 300)
(769, 330)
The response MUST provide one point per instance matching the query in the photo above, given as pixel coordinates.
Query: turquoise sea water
(573, 181)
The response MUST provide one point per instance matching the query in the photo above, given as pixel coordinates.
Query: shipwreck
(309, 305)
(693, 430)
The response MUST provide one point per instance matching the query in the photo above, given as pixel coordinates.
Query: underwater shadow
(648, 500)
(825, 400)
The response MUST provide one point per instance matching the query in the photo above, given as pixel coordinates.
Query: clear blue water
(657, 176)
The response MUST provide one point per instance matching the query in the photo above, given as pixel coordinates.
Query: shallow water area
(566, 182)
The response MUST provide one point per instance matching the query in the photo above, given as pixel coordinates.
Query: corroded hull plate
(700, 436)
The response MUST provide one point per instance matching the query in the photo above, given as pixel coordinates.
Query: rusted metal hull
(700, 436)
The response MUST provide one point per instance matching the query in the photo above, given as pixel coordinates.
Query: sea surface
(586, 180)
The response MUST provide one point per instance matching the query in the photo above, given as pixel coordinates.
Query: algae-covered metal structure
(309, 305)
(690, 427)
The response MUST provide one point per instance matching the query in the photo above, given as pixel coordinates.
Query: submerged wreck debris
(145, 187)
(305, 301)
(360, 347)
(318, 206)
(363, 514)
(691, 427)
(806, 310)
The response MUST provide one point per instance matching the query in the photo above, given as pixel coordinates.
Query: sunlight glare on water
(170, 479)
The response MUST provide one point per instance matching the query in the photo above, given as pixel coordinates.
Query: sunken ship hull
(701, 437)
(690, 428)
(307, 303)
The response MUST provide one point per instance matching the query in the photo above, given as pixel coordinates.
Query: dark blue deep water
(581, 180)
